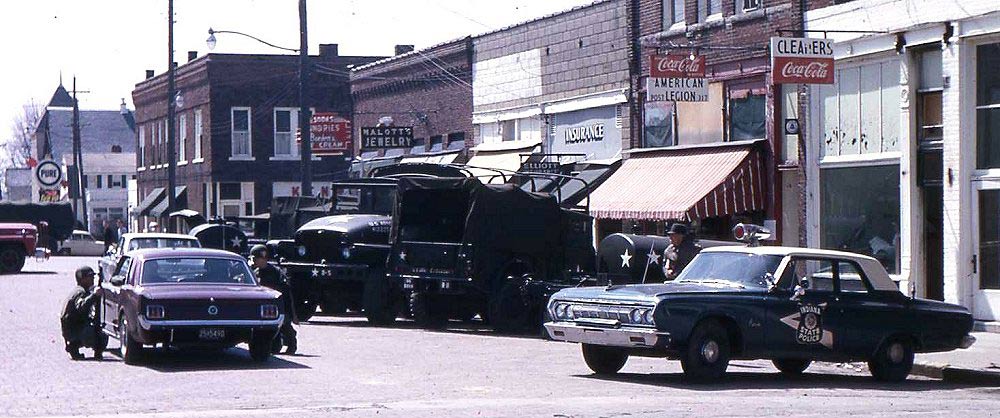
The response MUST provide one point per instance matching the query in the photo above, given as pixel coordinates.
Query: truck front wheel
(604, 360)
(379, 302)
(11, 259)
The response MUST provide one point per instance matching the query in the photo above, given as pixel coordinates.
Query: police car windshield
(196, 270)
(730, 268)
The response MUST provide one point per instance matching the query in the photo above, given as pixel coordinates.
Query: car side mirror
(117, 281)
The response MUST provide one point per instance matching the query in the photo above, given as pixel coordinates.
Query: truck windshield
(732, 268)
(368, 200)
(433, 215)
(196, 270)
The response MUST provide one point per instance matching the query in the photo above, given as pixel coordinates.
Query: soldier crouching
(78, 327)
(271, 277)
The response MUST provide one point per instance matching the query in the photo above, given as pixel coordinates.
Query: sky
(108, 44)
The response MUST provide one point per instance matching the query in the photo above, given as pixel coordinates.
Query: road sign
(801, 60)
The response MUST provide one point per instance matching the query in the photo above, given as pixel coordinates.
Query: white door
(986, 233)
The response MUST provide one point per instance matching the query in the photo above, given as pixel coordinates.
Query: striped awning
(683, 183)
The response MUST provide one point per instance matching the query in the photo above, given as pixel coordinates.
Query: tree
(19, 146)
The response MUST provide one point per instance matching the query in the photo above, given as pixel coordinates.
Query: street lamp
(304, 116)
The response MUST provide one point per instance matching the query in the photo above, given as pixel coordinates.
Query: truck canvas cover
(58, 215)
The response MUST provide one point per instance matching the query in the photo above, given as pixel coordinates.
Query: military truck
(461, 248)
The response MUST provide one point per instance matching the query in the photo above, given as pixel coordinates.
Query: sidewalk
(979, 364)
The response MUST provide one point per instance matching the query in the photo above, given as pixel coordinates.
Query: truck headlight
(346, 252)
(269, 311)
(302, 251)
(155, 312)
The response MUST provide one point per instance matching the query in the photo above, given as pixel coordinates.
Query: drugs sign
(331, 134)
(801, 60)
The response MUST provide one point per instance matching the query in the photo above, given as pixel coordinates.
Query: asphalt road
(346, 368)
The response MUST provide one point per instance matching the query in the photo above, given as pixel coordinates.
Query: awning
(504, 157)
(435, 158)
(683, 183)
(569, 191)
(161, 207)
(362, 167)
(149, 201)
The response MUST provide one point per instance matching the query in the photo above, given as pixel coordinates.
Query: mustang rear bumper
(607, 336)
(189, 332)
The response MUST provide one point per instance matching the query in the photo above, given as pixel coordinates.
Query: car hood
(207, 291)
(648, 292)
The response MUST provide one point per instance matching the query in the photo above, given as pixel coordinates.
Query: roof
(783, 251)
(160, 253)
(683, 183)
(543, 17)
(105, 162)
(99, 131)
(155, 235)
(61, 98)
(423, 51)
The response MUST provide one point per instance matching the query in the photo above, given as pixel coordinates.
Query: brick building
(236, 125)
(430, 90)
(901, 153)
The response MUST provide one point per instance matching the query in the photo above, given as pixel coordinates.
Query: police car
(790, 305)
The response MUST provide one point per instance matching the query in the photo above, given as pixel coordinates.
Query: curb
(956, 374)
(991, 326)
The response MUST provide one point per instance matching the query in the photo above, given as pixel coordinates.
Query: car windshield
(140, 243)
(730, 268)
(196, 270)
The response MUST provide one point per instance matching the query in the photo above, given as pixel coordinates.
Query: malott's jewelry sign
(386, 137)
(801, 60)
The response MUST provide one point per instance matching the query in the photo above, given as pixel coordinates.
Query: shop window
(658, 124)
(746, 118)
(702, 122)
(436, 143)
(988, 106)
(989, 239)
(419, 146)
(229, 191)
(859, 211)
(456, 140)
(930, 127)
(508, 130)
(861, 110)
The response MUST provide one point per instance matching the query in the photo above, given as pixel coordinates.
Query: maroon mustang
(186, 298)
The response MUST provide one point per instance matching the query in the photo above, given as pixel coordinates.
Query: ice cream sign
(801, 60)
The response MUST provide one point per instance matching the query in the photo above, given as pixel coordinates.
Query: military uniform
(271, 277)
(77, 326)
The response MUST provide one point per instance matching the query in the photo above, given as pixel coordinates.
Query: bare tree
(19, 146)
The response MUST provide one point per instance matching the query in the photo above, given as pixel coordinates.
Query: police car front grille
(620, 313)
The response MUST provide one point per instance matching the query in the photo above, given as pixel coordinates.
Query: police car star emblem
(808, 325)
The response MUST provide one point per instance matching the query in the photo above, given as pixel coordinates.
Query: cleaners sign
(801, 60)
(676, 78)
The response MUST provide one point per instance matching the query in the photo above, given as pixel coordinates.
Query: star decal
(315, 272)
(652, 257)
(626, 259)
(237, 242)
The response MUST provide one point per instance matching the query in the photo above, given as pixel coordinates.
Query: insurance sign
(801, 60)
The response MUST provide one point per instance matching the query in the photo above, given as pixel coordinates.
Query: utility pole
(171, 143)
(81, 188)
(304, 115)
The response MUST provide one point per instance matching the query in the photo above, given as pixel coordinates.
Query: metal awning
(683, 183)
(504, 156)
(149, 201)
(435, 158)
(161, 206)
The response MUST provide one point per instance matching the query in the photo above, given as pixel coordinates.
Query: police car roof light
(750, 233)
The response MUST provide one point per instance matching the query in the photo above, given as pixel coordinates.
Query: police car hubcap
(896, 353)
(710, 351)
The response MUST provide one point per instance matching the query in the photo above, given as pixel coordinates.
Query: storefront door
(986, 275)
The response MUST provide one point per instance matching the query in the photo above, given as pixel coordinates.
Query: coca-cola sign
(801, 61)
(668, 66)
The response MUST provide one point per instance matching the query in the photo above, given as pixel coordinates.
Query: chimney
(192, 55)
(329, 50)
(124, 109)
(402, 49)
(150, 74)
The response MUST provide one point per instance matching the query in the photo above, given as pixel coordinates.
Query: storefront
(591, 134)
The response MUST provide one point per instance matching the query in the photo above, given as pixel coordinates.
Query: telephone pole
(171, 143)
(81, 186)
(304, 116)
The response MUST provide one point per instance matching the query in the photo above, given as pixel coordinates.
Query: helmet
(83, 272)
(258, 250)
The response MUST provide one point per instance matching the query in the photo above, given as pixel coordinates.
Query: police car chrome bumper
(148, 324)
(967, 341)
(599, 334)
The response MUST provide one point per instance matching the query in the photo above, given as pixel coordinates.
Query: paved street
(347, 368)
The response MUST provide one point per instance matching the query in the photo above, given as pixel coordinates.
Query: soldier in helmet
(78, 328)
(271, 277)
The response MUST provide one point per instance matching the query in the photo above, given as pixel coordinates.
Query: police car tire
(604, 360)
(791, 366)
(11, 259)
(892, 367)
(260, 349)
(709, 339)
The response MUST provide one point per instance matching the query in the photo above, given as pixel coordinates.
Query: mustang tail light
(269, 311)
(155, 312)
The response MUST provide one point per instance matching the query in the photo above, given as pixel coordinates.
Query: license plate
(212, 334)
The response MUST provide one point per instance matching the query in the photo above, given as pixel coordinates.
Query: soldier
(271, 277)
(680, 252)
(78, 328)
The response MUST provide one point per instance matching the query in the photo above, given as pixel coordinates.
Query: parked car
(790, 305)
(17, 241)
(187, 298)
(81, 243)
(135, 241)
